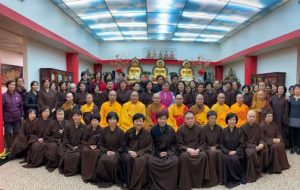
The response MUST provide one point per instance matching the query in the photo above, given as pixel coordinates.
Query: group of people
(145, 135)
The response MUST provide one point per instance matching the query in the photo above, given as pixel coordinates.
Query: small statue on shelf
(148, 56)
(160, 55)
(134, 71)
(172, 56)
(154, 56)
(166, 55)
(186, 73)
(160, 69)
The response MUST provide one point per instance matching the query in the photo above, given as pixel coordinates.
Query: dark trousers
(294, 135)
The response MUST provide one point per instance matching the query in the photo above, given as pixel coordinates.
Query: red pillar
(250, 68)
(97, 68)
(1, 118)
(73, 65)
(219, 72)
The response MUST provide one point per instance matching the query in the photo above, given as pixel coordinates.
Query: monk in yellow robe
(260, 104)
(176, 113)
(221, 109)
(240, 109)
(110, 105)
(129, 109)
(151, 111)
(200, 110)
(88, 110)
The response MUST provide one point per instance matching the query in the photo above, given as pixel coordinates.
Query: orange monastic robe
(200, 114)
(258, 106)
(222, 111)
(128, 111)
(176, 115)
(241, 112)
(151, 111)
(106, 108)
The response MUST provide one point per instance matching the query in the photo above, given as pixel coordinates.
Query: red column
(73, 65)
(219, 72)
(250, 68)
(97, 68)
(1, 118)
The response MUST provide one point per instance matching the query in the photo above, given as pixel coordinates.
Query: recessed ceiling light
(108, 33)
(134, 32)
(211, 36)
(132, 24)
(186, 34)
(113, 39)
(103, 25)
(94, 16)
(201, 15)
(191, 26)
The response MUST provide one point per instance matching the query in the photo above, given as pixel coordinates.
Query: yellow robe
(222, 111)
(106, 108)
(176, 113)
(241, 112)
(151, 110)
(128, 111)
(86, 109)
(200, 114)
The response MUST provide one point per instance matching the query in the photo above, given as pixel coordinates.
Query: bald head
(251, 117)
(156, 98)
(261, 95)
(134, 96)
(199, 99)
(112, 96)
(179, 99)
(221, 98)
(239, 99)
(89, 98)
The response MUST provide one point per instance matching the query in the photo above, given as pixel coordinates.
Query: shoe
(292, 151)
(298, 150)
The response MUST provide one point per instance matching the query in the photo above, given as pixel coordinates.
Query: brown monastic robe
(257, 161)
(146, 98)
(135, 169)
(97, 98)
(210, 98)
(277, 156)
(123, 96)
(71, 157)
(151, 111)
(193, 170)
(89, 157)
(68, 108)
(212, 139)
(163, 170)
(230, 97)
(47, 99)
(37, 149)
(53, 138)
(61, 98)
(233, 165)
(108, 170)
(80, 98)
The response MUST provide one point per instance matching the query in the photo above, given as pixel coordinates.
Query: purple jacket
(12, 105)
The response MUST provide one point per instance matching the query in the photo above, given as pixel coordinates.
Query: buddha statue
(186, 73)
(160, 69)
(134, 71)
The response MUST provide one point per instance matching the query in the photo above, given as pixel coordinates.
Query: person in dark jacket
(31, 97)
(20, 87)
(12, 104)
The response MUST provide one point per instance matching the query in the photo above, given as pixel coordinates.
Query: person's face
(256, 88)
(180, 86)
(174, 80)
(123, 85)
(134, 97)
(89, 99)
(31, 116)
(268, 89)
(274, 88)
(136, 87)
(297, 91)
(112, 122)
(228, 86)
(112, 96)
(291, 91)
(85, 77)
(245, 90)
(156, 99)
(53, 86)
(138, 124)
(12, 86)
(232, 122)
(46, 113)
(96, 89)
(240, 99)
(76, 118)
(20, 82)
(82, 87)
(208, 87)
(160, 80)
(149, 86)
(179, 100)
(280, 90)
(269, 118)
(73, 89)
(120, 76)
(200, 88)
(221, 98)
(69, 97)
(192, 85)
(98, 76)
(212, 120)
(199, 100)
(165, 87)
(216, 84)
(162, 121)
(109, 77)
(261, 95)
(47, 84)
(261, 86)
(95, 123)
(251, 117)
(63, 86)
(234, 86)
(110, 85)
(189, 119)
(60, 116)
(143, 78)
(188, 89)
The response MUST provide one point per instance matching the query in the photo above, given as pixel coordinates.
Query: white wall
(284, 60)
(238, 68)
(42, 56)
(84, 65)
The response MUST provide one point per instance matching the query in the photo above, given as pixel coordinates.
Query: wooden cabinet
(55, 75)
(269, 78)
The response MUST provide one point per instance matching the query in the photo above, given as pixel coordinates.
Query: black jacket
(30, 101)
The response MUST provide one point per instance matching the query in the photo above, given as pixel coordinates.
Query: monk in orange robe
(176, 113)
(221, 109)
(240, 109)
(151, 111)
(200, 110)
(260, 104)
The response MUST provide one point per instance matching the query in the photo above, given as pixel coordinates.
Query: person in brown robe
(90, 152)
(80, 96)
(53, 138)
(138, 148)
(61, 94)
(36, 142)
(70, 159)
(69, 106)
(277, 155)
(193, 160)
(111, 145)
(20, 144)
(280, 107)
(255, 148)
(230, 95)
(248, 96)
(163, 165)
(123, 93)
(212, 134)
(210, 96)
(96, 95)
(260, 104)
(146, 96)
(47, 97)
(231, 143)
(104, 95)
